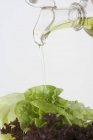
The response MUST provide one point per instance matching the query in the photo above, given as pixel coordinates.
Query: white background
(68, 55)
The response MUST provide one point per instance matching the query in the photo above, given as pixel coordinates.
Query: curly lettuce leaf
(38, 92)
(80, 114)
(7, 105)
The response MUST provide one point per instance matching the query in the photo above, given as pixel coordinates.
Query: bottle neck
(77, 15)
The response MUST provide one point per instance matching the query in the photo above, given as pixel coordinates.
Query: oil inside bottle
(87, 26)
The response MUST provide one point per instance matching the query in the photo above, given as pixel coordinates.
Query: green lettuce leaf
(7, 105)
(39, 92)
(26, 113)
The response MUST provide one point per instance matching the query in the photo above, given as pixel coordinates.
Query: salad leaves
(35, 102)
(45, 99)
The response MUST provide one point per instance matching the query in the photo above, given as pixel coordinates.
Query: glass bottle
(77, 15)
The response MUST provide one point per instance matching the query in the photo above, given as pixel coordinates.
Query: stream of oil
(43, 66)
(42, 52)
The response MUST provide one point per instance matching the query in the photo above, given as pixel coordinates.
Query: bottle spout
(44, 23)
(51, 19)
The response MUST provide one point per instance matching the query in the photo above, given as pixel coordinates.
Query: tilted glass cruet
(56, 15)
